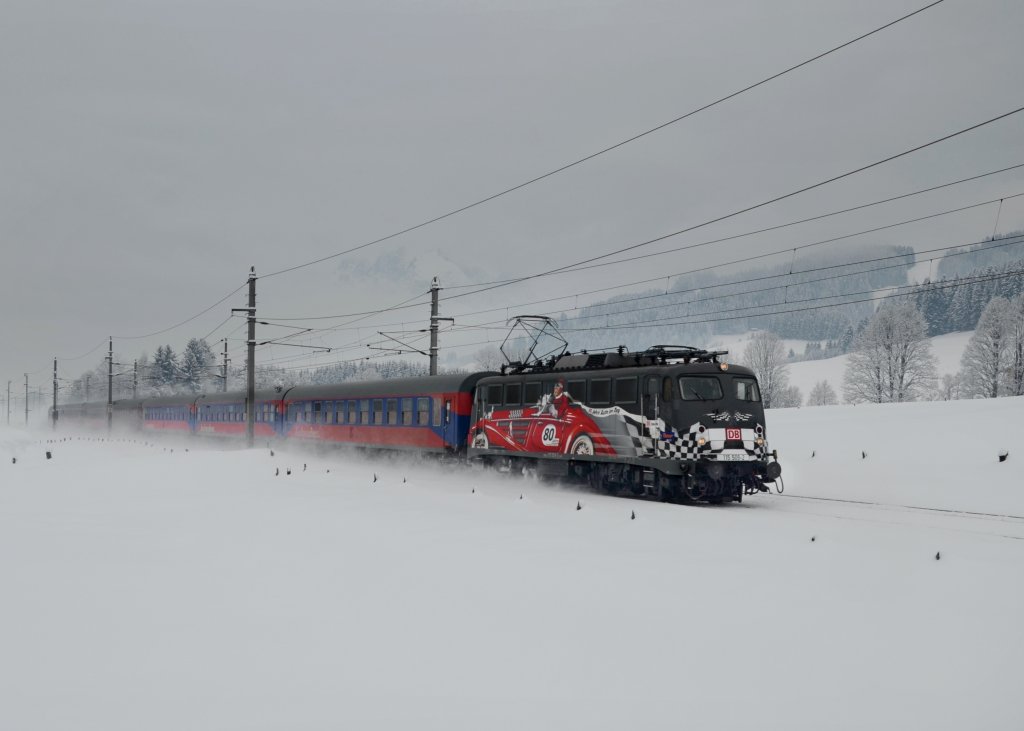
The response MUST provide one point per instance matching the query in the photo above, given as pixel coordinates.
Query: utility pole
(88, 376)
(8, 403)
(435, 287)
(110, 384)
(54, 416)
(224, 385)
(250, 361)
(135, 380)
(26, 399)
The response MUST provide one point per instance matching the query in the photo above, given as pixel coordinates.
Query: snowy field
(151, 589)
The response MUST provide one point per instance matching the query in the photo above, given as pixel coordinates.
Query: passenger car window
(700, 388)
(747, 390)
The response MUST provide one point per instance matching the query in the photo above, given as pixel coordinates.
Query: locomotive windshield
(700, 388)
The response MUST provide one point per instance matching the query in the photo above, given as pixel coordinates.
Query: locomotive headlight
(701, 441)
(760, 441)
(724, 366)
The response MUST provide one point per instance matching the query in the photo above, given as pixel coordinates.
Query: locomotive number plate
(734, 457)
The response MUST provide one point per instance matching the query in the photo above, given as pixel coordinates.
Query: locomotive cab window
(625, 390)
(600, 391)
(746, 389)
(700, 388)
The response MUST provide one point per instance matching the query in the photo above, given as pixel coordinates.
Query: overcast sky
(152, 151)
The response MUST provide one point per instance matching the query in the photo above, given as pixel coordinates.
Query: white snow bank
(145, 589)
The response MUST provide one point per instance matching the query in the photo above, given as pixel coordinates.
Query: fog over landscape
(154, 152)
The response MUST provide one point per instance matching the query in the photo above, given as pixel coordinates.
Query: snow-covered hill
(145, 588)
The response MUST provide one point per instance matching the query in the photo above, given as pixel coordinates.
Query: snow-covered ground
(151, 589)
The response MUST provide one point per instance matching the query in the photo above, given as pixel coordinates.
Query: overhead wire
(1017, 240)
(607, 149)
(711, 267)
(186, 321)
(485, 287)
(930, 286)
(768, 228)
(1013, 240)
(747, 209)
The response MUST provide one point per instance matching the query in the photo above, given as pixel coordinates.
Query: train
(675, 423)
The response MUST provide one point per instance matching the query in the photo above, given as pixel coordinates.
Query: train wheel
(582, 445)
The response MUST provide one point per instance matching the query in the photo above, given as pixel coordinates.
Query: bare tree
(822, 395)
(949, 388)
(891, 359)
(788, 398)
(986, 355)
(767, 358)
(489, 358)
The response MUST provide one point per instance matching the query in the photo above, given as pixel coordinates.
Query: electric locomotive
(673, 422)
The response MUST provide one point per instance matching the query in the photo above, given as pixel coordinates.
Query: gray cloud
(153, 151)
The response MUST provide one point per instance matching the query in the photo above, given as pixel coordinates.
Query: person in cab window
(557, 403)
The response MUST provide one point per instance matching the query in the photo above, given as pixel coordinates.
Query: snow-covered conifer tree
(196, 361)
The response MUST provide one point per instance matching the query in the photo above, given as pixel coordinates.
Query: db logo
(733, 434)
(547, 437)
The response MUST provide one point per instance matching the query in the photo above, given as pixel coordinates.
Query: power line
(756, 206)
(605, 150)
(1008, 241)
(485, 286)
(1017, 240)
(184, 322)
(916, 288)
(748, 259)
(766, 229)
(711, 267)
